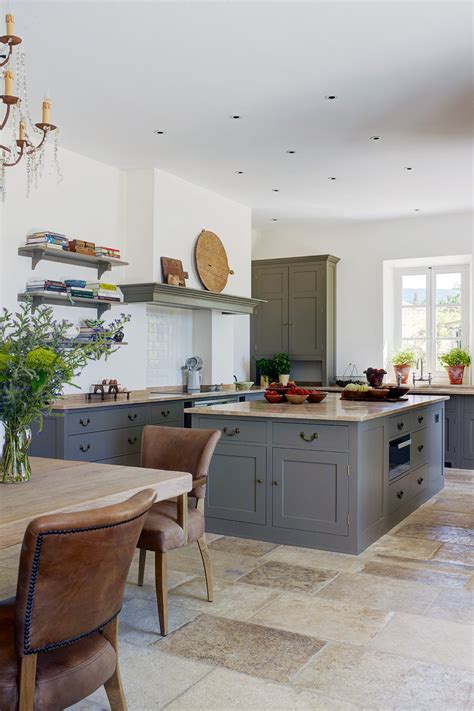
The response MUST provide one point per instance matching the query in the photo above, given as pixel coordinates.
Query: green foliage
(37, 359)
(265, 366)
(456, 356)
(406, 356)
(281, 364)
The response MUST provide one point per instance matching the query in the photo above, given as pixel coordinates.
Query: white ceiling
(400, 70)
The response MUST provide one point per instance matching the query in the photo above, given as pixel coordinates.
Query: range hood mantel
(186, 298)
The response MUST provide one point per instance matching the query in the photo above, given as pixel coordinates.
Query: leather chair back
(73, 568)
(180, 449)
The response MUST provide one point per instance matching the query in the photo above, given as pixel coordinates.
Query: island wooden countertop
(60, 485)
(332, 409)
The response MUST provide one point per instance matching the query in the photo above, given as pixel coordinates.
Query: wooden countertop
(332, 409)
(60, 485)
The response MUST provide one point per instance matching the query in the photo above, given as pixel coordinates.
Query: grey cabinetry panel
(102, 445)
(307, 311)
(468, 436)
(450, 436)
(314, 435)
(108, 418)
(236, 484)
(165, 412)
(271, 320)
(240, 429)
(310, 491)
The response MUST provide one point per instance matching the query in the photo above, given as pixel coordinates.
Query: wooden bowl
(379, 393)
(397, 391)
(296, 399)
(273, 397)
(316, 396)
(354, 395)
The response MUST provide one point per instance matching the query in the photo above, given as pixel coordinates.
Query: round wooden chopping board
(211, 261)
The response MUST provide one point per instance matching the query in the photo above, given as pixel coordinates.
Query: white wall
(362, 248)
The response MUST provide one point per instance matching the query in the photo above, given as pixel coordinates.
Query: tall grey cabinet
(299, 316)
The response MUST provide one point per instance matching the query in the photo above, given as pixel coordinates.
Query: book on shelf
(110, 252)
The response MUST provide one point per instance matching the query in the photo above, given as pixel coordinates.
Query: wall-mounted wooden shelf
(50, 254)
(63, 300)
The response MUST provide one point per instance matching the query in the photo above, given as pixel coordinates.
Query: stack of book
(81, 292)
(81, 247)
(52, 240)
(105, 292)
(107, 252)
(46, 286)
(87, 334)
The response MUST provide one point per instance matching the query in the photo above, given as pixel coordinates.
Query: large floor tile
(312, 558)
(396, 546)
(372, 591)
(10, 557)
(384, 681)
(322, 618)
(175, 578)
(225, 565)
(445, 534)
(242, 546)
(139, 620)
(284, 576)
(225, 690)
(244, 647)
(8, 582)
(457, 504)
(235, 601)
(444, 518)
(388, 569)
(455, 553)
(455, 605)
(427, 639)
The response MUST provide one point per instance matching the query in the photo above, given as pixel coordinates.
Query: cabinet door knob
(420, 419)
(132, 417)
(400, 494)
(310, 438)
(84, 423)
(421, 447)
(84, 449)
(275, 483)
(165, 413)
(400, 425)
(231, 433)
(420, 480)
(132, 440)
(259, 481)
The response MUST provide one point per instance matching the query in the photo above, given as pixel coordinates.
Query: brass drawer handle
(310, 438)
(165, 413)
(421, 447)
(420, 419)
(400, 425)
(84, 449)
(420, 480)
(232, 433)
(132, 440)
(400, 494)
(86, 422)
(132, 417)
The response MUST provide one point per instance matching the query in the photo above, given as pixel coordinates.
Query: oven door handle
(401, 445)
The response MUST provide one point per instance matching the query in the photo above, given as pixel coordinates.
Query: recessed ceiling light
(408, 168)
(276, 190)
(274, 219)
(331, 178)
(159, 133)
(375, 138)
(330, 97)
(291, 152)
(239, 172)
(234, 116)
(416, 209)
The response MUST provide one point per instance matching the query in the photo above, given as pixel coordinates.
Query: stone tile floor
(295, 629)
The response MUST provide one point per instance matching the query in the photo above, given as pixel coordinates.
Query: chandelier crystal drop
(27, 139)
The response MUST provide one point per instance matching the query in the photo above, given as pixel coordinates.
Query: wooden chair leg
(141, 566)
(161, 585)
(113, 687)
(206, 561)
(27, 683)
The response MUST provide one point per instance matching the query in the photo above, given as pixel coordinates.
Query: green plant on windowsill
(405, 356)
(456, 356)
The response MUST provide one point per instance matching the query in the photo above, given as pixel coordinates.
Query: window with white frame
(432, 312)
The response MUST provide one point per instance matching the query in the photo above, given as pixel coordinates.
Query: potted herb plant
(403, 361)
(455, 361)
(37, 358)
(265, 369)
(281, 367)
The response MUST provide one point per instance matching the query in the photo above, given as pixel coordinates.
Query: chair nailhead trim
(31, 588)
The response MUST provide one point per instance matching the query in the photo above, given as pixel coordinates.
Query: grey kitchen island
(334, 475)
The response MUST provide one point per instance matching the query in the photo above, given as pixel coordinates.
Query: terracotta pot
(455, 374)
(404, 370)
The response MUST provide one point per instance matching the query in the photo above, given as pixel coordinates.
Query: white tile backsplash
(169, 343)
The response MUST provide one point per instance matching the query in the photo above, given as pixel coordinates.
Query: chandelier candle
(8, 76)
(46, 111)
(10, 20)
(21, 134)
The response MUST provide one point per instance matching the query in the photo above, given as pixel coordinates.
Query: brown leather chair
(174, 524)
(58, 639)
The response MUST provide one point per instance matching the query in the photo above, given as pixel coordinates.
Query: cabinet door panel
(310, 491)
(271, 319)
(468, 435)
(306, 311)
(450, 438)
(236, 483)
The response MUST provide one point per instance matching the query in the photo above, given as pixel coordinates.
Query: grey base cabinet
(459, 432)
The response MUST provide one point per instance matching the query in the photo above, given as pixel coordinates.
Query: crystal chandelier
(28, 140)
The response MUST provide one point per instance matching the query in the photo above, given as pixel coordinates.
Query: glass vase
(15, 464)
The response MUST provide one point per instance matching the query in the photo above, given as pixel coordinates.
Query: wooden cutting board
(211, 261)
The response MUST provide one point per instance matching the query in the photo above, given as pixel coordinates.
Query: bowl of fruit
(355, 392)
(316, 396)
(296, 395)
(272, 396)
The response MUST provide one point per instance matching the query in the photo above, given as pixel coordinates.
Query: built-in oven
(399, 456)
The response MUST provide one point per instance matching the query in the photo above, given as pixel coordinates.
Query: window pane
(448, 321)
(448, 288)
(443, 346)
(413, 322)
(417, 345)
(413, 289)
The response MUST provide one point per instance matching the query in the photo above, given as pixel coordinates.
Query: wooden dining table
(62, 485)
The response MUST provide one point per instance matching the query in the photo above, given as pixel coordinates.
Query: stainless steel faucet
(421, 379)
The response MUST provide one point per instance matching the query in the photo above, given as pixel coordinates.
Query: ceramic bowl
(396, 391)
(273, 397)
(296, 399)
(244, 385)
(316, 396)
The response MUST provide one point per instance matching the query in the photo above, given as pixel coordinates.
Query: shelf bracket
(102, 268)
(35, 260)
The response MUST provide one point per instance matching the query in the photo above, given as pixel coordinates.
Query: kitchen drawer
(237, 430)
(165, 411)
(420, 418)
(407, 487)
(169, 423)
(126, 460)
(107, 418)
(419, 447)
(94, 446)
(329, 438)
(400, 424)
